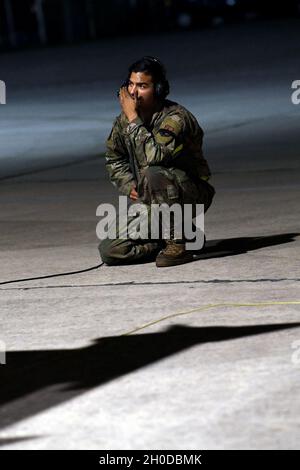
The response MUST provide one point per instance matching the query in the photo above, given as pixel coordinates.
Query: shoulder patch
(169, 129)
(172, 123)
(167, 132)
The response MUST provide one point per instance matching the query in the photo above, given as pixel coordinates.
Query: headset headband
(154, 59)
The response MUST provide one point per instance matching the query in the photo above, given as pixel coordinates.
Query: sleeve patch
(167, 132)
(171, 124)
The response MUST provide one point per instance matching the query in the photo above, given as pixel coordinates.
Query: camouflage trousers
(157, 185)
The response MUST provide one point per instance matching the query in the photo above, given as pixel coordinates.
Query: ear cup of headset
(159, 90)
(162, 89)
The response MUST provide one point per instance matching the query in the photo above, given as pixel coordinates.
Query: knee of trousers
(156, 185)
(113, 251)
(155, 177)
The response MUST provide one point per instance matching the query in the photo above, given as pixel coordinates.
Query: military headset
(161, 87)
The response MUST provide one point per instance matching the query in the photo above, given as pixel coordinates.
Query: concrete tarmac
(201, 356)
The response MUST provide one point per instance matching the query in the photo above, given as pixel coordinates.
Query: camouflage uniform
(165, 161)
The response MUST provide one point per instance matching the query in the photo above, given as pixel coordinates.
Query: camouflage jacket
(172, 139)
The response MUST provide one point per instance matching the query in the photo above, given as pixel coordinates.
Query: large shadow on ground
(240, 245)
(33, 381)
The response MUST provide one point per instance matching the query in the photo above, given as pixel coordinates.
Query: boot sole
(165, 263)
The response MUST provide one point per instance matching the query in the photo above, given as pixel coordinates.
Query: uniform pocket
(172, 192)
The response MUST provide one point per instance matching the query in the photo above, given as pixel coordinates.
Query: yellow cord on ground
(208, 306)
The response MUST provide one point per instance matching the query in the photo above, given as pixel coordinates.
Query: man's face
(142, 86)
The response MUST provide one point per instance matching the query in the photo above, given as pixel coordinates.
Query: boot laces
(173, 248)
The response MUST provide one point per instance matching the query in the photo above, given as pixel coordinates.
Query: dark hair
(152, 66)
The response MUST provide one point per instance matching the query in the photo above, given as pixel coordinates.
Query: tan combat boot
(173, 254)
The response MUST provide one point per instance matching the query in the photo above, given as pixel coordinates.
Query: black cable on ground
(52, 275)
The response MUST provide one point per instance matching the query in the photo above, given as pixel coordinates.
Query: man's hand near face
(129, 104)
(133, 194)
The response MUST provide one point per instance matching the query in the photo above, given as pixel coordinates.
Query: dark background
(29, 23)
